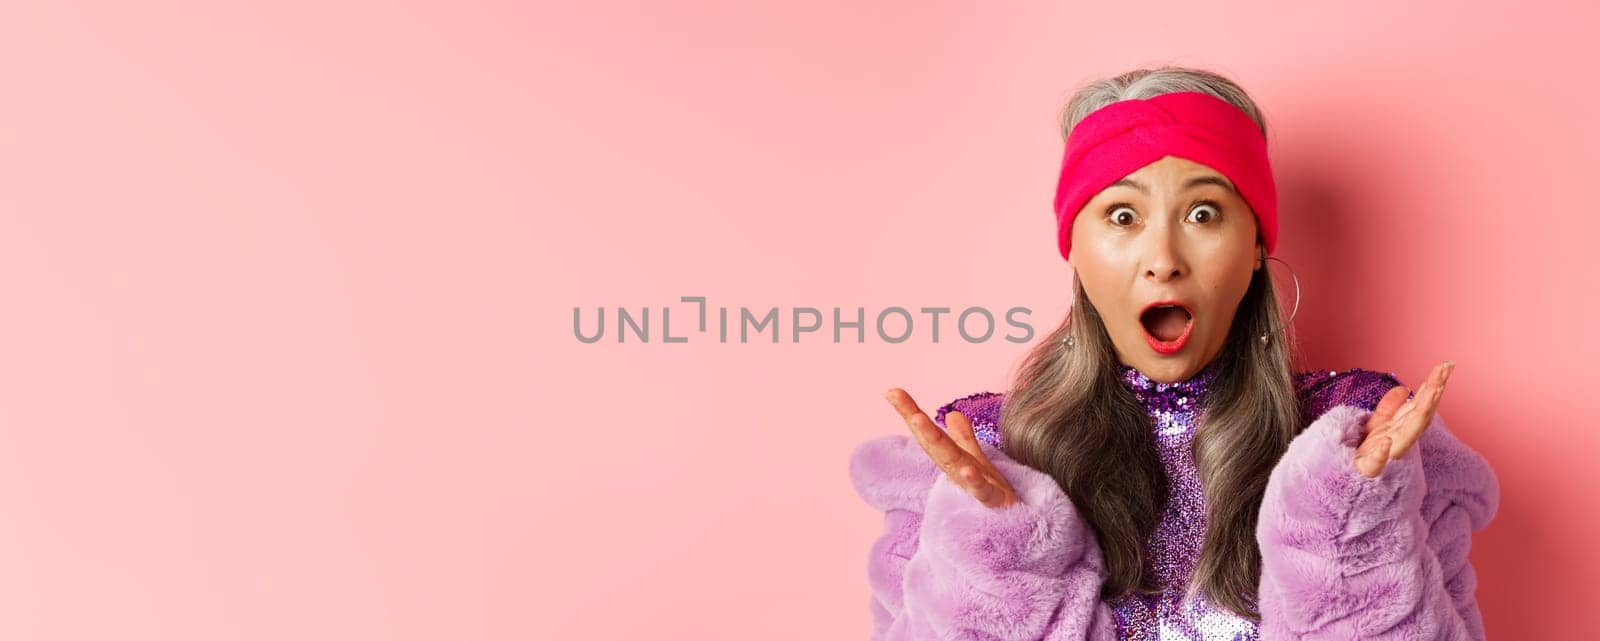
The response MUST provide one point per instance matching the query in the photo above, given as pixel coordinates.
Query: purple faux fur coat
(1343, 556)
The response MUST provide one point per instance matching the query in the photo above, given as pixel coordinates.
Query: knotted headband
(1119, 138)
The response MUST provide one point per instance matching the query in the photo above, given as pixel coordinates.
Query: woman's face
(1173, 231)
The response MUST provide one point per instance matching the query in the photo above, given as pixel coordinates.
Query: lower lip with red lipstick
(1166, 325)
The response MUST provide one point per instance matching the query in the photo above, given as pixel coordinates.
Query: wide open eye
(1122, 215)
(1204, 212)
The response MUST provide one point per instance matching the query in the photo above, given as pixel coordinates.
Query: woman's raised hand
(1397, 423)
(957, 453)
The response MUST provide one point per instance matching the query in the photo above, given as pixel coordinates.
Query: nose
(1163, 261)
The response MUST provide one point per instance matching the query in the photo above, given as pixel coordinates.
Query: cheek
(1227, 292)
(1235, 260)
(1101, 280)
(1100, 263)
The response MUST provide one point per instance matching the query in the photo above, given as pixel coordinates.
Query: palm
(956, 453)
(1397, 423)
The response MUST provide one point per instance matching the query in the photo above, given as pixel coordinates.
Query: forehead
(1173, 174)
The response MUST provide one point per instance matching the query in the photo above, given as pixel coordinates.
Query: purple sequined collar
(1193, 387)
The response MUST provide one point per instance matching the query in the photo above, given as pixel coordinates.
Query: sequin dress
(1174, 548)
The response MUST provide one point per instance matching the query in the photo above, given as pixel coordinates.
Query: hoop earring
(1266, 337)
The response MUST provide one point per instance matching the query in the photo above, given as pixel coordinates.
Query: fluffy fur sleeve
(948, 567)
(893, 475)
(1350, 557)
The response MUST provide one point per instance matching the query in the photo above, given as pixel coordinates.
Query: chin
(1165, 368)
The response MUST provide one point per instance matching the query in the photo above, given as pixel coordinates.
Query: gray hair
(1149, 83)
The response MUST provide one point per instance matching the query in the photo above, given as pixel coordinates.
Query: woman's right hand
(956, 453)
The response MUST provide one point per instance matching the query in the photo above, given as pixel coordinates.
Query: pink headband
(1121, 137)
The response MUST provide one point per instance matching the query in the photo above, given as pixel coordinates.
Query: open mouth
(1166, 326)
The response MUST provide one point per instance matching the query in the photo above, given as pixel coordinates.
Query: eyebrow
(1190, 184)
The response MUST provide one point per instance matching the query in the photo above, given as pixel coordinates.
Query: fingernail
(1449, 366)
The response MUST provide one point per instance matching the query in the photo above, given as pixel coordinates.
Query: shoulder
(1323, 389)
(982, 408)
(892, 472)
(1318, 390)
(1455, 473)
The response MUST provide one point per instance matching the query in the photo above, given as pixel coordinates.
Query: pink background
(287, 342)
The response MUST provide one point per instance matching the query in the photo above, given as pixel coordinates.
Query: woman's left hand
(1397, 423)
